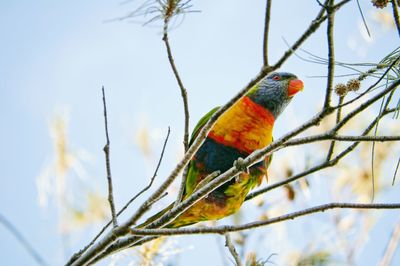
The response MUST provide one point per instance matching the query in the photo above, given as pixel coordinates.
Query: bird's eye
(276, 77)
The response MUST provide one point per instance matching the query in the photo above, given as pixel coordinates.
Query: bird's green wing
(201, 124)
(193, 173)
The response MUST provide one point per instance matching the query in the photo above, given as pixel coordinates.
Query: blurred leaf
(143, 140)
(319, 258)
(290, 193)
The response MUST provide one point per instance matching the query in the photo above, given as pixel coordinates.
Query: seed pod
(380, 3)
(341, 89)
(353, 85)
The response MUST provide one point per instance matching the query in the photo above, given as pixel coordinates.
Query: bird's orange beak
(295, 86)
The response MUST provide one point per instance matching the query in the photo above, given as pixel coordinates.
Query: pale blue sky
(57, 55)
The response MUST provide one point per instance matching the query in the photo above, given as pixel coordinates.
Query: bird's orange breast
(246, 126)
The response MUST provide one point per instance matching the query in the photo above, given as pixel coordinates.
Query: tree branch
(320, 18)
(338, 117)
(290, 216)
(180, 83)
(106, 150)
(267, 20)
(232, 250)
(395, 171)
(396, 15)
(331, 53)
(229, 228)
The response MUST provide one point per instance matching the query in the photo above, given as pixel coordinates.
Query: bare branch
(180, 83)
(395, 8)
(153, 177)
(373, 151)
(367, 138)
(320, 18)
(22, 240)
(395, 171)
(108, 167)
(290, 216)
(232, 250)
(266, 31)
(362, 17)
(229, 228)
(315, 24)
(384, 106)
(338, 117)
(185, 105)
(331, 54)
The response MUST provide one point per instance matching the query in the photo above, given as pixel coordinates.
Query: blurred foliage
(65, 181)
(319, 258)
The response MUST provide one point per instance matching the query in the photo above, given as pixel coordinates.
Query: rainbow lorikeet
(242, 129)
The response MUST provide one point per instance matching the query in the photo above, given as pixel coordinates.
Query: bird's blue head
(275, 91)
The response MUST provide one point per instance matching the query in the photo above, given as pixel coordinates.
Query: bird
(243, 128)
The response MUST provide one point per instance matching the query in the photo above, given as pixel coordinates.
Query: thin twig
(180, 83)
(367, 138)
(395, 8)
(373, 153)
(22, 240)
(154, 175)
(106, 150)
(338, 117)
(315, 24)
(267, 20)
(395, 171)
(221, 252)
(384, 106)
(76, 256)
(331, 54)
(234, 228)
(391, 247)
(232, 250)
(290, 216)
(363, 19)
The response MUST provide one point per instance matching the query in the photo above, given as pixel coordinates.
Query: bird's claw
(240, 165)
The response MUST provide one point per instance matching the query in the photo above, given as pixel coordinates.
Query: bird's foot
(240, 165)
